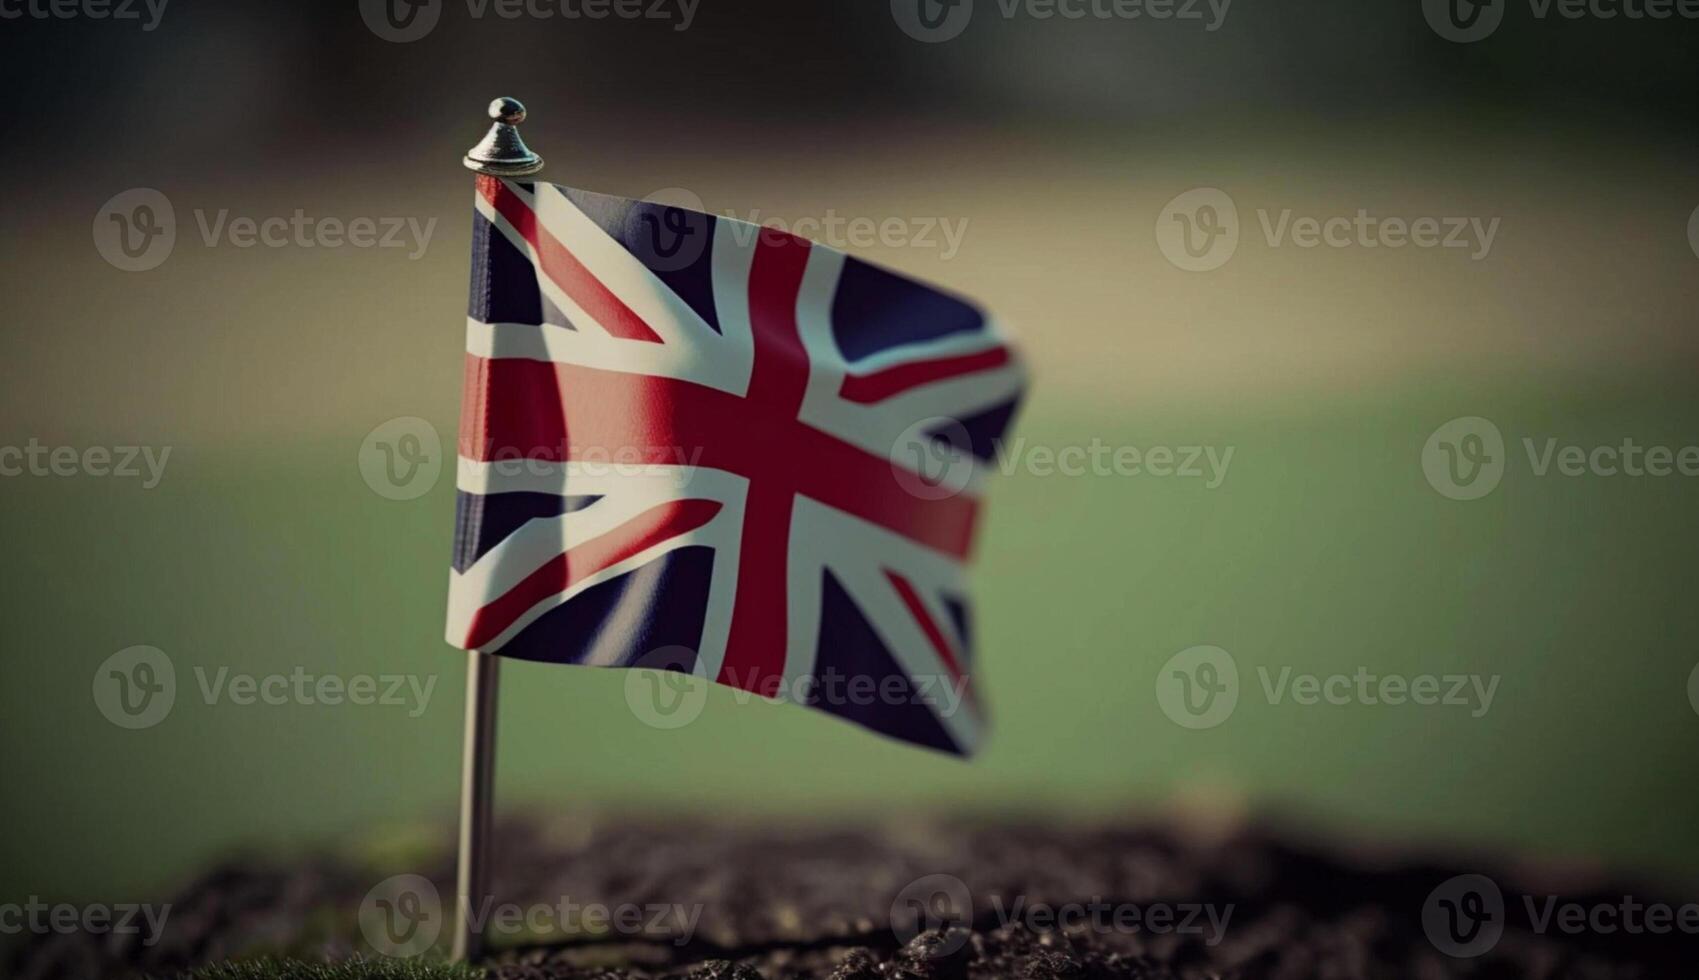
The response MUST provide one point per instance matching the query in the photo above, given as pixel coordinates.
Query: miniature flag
(692, 443)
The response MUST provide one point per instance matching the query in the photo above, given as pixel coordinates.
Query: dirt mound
(934, 900)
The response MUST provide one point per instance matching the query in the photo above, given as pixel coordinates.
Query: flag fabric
(686, 433)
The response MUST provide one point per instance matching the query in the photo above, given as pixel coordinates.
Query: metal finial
(501, 153)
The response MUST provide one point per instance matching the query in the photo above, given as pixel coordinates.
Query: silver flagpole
(501, 153)
(477, 798)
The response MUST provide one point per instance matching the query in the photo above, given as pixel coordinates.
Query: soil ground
(814, 903)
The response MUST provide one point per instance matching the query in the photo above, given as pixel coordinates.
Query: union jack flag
(683, 431)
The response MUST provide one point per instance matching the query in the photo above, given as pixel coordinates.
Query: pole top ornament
(502, 153)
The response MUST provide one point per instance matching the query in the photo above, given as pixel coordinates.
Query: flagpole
(501, 153)
(477, 799)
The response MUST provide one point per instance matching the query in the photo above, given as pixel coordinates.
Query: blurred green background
(1324, 549)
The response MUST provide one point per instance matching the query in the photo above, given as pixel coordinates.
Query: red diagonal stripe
(649, 528)
(563, 267)
(929, 626)
(857, 482)
(880, 385)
